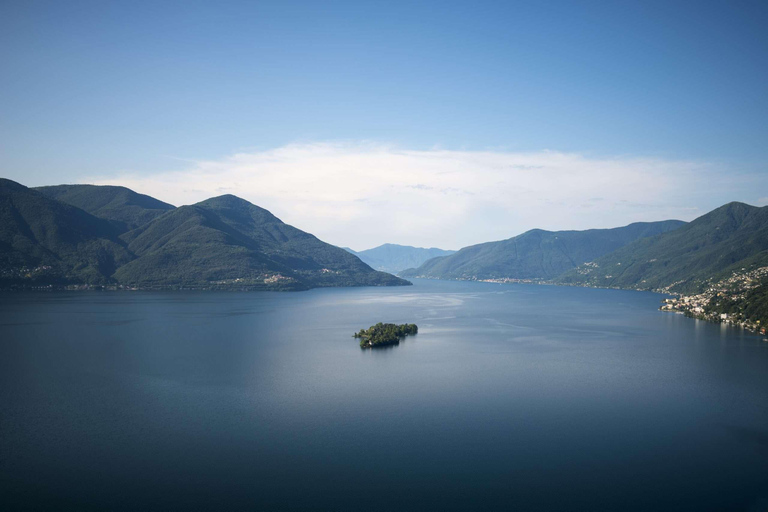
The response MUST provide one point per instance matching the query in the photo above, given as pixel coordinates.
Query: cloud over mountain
(361, 194)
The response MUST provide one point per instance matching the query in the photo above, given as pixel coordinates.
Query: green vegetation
(222, 243)
(43, 241)
(751, 306)
(381, 335)
(125, 208)
(730, 238)
(227, 238)
(536, 254)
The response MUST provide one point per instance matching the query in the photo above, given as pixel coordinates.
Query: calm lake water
(535, 397)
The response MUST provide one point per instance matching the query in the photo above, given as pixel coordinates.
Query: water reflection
(534, 397)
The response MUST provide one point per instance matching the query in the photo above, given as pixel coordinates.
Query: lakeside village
(732, 291)
(33, 278)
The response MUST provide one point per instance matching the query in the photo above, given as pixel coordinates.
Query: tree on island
(381, 334)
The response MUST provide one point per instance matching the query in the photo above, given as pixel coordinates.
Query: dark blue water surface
(534, 397)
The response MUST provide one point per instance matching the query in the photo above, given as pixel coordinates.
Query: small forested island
(381, 335)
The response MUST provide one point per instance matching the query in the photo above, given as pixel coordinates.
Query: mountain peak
(239, 208)
(394, 257)
(11, 185)
(735, 205)
(226, 201)
(122, 206)
(728, 213)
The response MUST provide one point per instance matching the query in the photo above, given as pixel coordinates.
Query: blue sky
(104, 91)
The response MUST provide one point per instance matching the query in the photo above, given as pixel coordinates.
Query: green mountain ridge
(87, 234)
(725, 240)
(43, 240)
(222, 242)
(227, 238)
(536, 254)
(124, 207)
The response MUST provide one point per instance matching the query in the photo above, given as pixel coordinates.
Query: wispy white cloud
(362, 194)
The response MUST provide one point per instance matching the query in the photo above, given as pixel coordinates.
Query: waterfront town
(724, 300)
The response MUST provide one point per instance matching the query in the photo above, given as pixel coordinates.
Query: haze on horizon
(431, 124)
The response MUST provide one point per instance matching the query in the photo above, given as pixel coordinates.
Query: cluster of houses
(274, 278)
(249, 281)
(587, 268)
(23, 272)
(734, 288)
(510, 280)
(83, 287)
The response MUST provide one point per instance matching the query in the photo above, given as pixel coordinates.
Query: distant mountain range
(394, 258)
(84, 234)
(537, 254)
(709, 248)
(669, 256)
(101, 235)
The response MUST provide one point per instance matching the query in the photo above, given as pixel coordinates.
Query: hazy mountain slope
(394, 258)
(728, 238)
(36, 231)
(126, 208)
(537, 254)
(227, 238)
